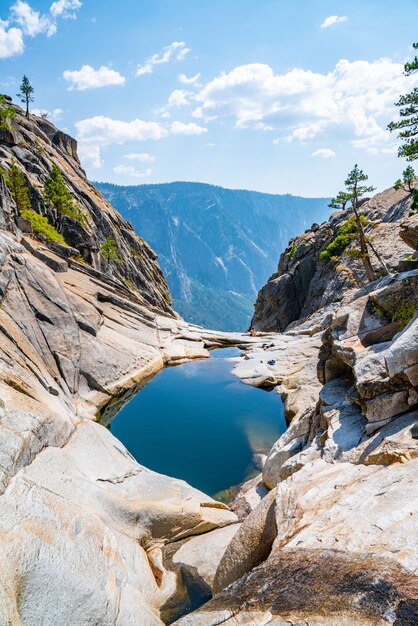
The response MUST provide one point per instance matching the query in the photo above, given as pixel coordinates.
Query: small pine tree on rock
(16, 182)
(407, 181)
(25, 94)
(59, 197)
(7, 113)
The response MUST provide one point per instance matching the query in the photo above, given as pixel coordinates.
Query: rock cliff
(326, 536)
(303, 283)
(335, 541)
(82, 524)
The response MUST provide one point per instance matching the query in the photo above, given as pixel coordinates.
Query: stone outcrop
(327, 536)
(34, 147)
(303, 284)
(342, 476)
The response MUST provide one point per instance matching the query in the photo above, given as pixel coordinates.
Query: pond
(198, 422)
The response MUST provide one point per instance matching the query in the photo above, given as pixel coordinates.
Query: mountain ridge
(216, 246)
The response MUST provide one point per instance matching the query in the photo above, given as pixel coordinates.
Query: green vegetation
(41, 226)
(408, 112)
(341, 241)
(16, 182)
(340, 201)
(59, 197)
(292, 251)
(109, 250)
(25, 94)
(404, 313)
(408, 179)
(7, 113)
(354, 192)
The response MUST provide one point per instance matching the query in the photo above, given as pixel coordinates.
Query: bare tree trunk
(365, 257)
(379, 258)
(27, 108)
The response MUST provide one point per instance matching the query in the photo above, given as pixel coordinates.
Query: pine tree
(25, 94)
(59, 197)
(356, 190)
(407, 181)
(340, 201)
(7, 113)
(16, 182)
(408, 124)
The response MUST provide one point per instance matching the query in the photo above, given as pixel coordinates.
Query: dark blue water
(198, 422)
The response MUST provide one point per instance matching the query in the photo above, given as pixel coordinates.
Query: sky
(280, 96)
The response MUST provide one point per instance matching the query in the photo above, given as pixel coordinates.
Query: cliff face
(81, 522)
(335, 540)
(34, 146)
(303, 283)
(216, 246)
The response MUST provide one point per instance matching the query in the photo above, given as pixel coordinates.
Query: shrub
(404, 313)
(336, 247)
(41, 226)
(7, 113)
(293, 251)
(16, 182)
(60, 198)
(109, 250)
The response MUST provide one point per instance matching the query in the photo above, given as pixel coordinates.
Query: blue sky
(282, 96)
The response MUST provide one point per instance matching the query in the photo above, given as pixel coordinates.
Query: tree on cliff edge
(25, 94)
(354, 192)
(408, 124)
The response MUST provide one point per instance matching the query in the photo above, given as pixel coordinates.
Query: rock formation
(326, 536)
(82, 524)
(343, 503)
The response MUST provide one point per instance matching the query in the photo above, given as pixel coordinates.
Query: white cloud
(178, 98)
(129, 170)
(89, 78)
(179, 128)
(54, 116)
(354, 100)
(11, 41)
(31, 21)
(324, 153)
(333, 19)
(189, 80)
(65, 8)
(95, 133)
(143, 157)
(176, 50)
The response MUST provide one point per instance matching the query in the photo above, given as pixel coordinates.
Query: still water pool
(198, 422)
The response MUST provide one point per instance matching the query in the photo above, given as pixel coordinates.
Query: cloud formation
(11, 41)
(54, 116)
(89, 78)
(178, 98)
(333, 19)
(25, 21)
(65, 8)
(177, 50)
(324, 153)
(354, 101)
(95, 133)
(189, 80)
(32, 22)
(143, 157)
(129, 170)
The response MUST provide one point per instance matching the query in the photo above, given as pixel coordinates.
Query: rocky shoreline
(325, 536)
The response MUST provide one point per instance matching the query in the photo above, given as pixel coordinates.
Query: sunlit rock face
(82, 524)
(343, 503)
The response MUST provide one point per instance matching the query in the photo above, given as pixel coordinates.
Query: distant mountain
(216, 246)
